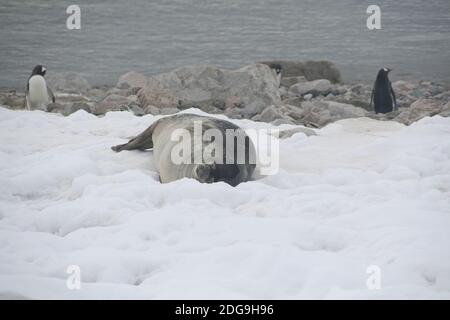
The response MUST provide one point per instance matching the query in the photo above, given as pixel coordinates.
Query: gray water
(155, 36)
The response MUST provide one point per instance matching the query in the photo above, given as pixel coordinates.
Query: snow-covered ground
(361, 193)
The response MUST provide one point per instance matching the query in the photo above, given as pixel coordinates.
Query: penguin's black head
(383, 73)
(40, 70)
(277, 67)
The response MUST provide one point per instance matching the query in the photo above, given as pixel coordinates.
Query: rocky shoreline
(308, 93)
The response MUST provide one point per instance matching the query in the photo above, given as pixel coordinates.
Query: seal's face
(203, 173)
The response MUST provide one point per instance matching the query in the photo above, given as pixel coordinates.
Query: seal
(38, 95)
(192, 146)
(383, 95)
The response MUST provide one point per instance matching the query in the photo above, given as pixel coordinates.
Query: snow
(361, 193)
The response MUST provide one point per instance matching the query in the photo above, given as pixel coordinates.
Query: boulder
(285, 120)
(290, 81)
(13, 101)
(420, 109)
(252, 88)
(74, 107)
(135, 109)
(131, 80)
(56, 107)
(320, 113)
(316, 87)
(311, 70)
(269, 114)
(167, 111)
(113, 102)
(133, 99)
(68, 82)
(151, 110)
(445, 112)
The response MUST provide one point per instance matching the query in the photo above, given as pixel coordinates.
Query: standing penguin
(383, 95)
(38, 94)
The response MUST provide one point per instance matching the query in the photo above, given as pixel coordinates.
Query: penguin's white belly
(37, 93)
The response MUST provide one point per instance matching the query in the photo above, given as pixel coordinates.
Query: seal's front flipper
(142, 142)
(118, 148)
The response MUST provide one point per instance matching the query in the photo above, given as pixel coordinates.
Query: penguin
(38, 95)
(383, 95)
(278, 68)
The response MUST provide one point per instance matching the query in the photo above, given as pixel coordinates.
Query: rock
(77, 106)
(281, 121)
(152, 110)
(320, 113)
(445, 112)
(293, 100)
(136, 109)
(269, 114)
(276, 115)
(234, 113)
(166, 111)
(119, 92)
(133, 99)
(418, 93)
(402, 86)
(131, 80)
(420, 109)
(311, 70)
(56, 107)
(112, 102)
(97, 94)
(435, 90)
(290, 132)
(14, 102)
(316, 87)
(444, 96)
(357, 89)
(253, 87)
(233, 102)
(68, 82)
(290, 81)
(308, 96)
(283, 92)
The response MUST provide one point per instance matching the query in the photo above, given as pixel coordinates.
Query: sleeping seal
(199, 147)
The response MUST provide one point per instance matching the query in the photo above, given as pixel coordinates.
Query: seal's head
(231, 174)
